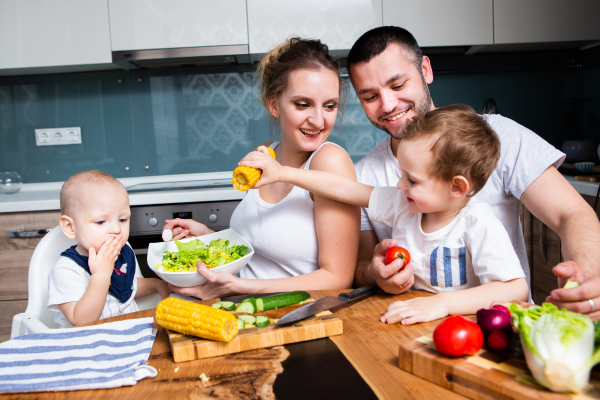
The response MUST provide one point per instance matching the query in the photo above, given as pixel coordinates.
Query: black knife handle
(360, 292)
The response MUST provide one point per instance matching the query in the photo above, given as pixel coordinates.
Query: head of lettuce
(559, 346)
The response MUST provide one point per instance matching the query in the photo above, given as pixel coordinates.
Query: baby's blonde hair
(73, 186)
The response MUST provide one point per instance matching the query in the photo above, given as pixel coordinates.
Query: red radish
(497, 341)
(501, 308)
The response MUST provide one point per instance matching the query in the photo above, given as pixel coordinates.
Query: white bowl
(189, 279)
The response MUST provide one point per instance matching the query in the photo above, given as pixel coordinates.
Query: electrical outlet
(57, 136)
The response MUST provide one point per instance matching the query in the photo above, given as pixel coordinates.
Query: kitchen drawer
(15, 253)
(8, 309)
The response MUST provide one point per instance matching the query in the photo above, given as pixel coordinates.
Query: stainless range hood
(182, 57)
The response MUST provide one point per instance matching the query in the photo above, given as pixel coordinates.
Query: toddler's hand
(388, 277)
(103, 261)
(421, 309)
(261, 159)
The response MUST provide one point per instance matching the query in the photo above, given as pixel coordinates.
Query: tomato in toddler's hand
(395, 253)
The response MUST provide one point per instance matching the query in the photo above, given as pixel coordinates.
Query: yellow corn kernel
(245, 178)
(196, 319)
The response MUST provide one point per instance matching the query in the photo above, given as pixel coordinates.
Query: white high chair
(37, 318)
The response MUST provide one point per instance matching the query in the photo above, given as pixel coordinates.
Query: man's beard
(423, 106)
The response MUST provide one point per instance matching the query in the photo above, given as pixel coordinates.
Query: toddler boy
(95, 278)
(459, 249)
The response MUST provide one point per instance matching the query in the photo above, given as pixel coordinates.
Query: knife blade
(327, 303)
(242, 297)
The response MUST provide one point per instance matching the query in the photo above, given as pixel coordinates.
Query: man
(390, 75)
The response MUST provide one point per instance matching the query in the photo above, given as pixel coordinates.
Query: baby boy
(95, 278)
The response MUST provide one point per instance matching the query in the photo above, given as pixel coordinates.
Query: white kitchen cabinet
(160, 24)
(443, 22)
(337, 23)
(42, 33)
(534, 21)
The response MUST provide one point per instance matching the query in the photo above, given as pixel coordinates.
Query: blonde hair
(72, 187)
(466, 145)
(292, 55)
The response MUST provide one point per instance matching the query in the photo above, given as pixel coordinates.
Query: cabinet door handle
(27, 233)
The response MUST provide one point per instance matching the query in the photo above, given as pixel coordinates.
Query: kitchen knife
(242, 297)
(326, 303)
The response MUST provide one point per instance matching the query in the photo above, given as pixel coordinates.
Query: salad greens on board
(216, 254)
(560, 346)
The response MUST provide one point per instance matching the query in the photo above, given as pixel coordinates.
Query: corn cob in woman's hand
(196, 319)
(245, 178)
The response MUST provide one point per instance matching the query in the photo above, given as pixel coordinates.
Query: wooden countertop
(371, 346)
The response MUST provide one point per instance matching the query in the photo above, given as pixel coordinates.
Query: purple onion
(493, 320)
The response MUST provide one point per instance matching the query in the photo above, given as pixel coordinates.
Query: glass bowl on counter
(10, 182)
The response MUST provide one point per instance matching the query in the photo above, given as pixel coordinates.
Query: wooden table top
(371, 346)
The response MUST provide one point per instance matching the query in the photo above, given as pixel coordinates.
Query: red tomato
(397, 252)
(457, 336)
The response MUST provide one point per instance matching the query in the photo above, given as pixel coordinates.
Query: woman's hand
(386, 276)
(261, 159)
(186, 228)
(218, 284)
(577, 298)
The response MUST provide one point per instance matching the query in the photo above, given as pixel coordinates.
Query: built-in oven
(147, 221)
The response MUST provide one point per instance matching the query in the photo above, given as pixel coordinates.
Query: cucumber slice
(246, 307)
(262, 321)
(248, 319)
(249, 299)
(241, 324)
(218, 305)
(281, 300)
(228, 305)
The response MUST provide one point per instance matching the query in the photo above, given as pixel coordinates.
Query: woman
(301, 241)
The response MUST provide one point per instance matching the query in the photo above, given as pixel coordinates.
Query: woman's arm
(338, 228)
(186, 228)
(330, 179)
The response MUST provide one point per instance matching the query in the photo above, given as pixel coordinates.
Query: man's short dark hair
(375, 41)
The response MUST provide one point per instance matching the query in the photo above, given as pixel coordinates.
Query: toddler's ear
(67, 226)
(460, 187)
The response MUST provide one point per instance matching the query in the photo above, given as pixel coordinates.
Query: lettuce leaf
(216, 254)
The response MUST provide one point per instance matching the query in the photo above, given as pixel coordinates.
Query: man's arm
(553, 200)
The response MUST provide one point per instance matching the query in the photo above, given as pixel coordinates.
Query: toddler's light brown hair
(466, 145)
(82, 181)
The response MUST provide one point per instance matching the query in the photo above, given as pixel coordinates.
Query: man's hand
(186, 228)
(102, 263)
(387, 276)
(218, 284)
(577, 298)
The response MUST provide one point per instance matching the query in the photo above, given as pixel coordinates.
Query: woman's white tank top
(283, 235)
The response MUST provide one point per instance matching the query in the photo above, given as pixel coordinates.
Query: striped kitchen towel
(93, 357)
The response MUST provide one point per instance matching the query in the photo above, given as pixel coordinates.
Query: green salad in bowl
(215, 254)
(176, 261)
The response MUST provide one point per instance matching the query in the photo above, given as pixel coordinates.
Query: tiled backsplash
(143, 123)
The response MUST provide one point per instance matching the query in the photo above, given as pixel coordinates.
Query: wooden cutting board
(325, 324)
(485, 375)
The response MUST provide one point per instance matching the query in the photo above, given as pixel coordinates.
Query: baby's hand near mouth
(103, 262)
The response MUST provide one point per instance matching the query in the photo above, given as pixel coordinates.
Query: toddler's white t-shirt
(474, 249)
(67, 282)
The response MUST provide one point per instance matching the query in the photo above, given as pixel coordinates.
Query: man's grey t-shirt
(523, 158)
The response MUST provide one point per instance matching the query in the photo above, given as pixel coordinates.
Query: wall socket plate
(57, 136)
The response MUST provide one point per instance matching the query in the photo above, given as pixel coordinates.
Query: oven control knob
(212, 218)
(152, 221)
